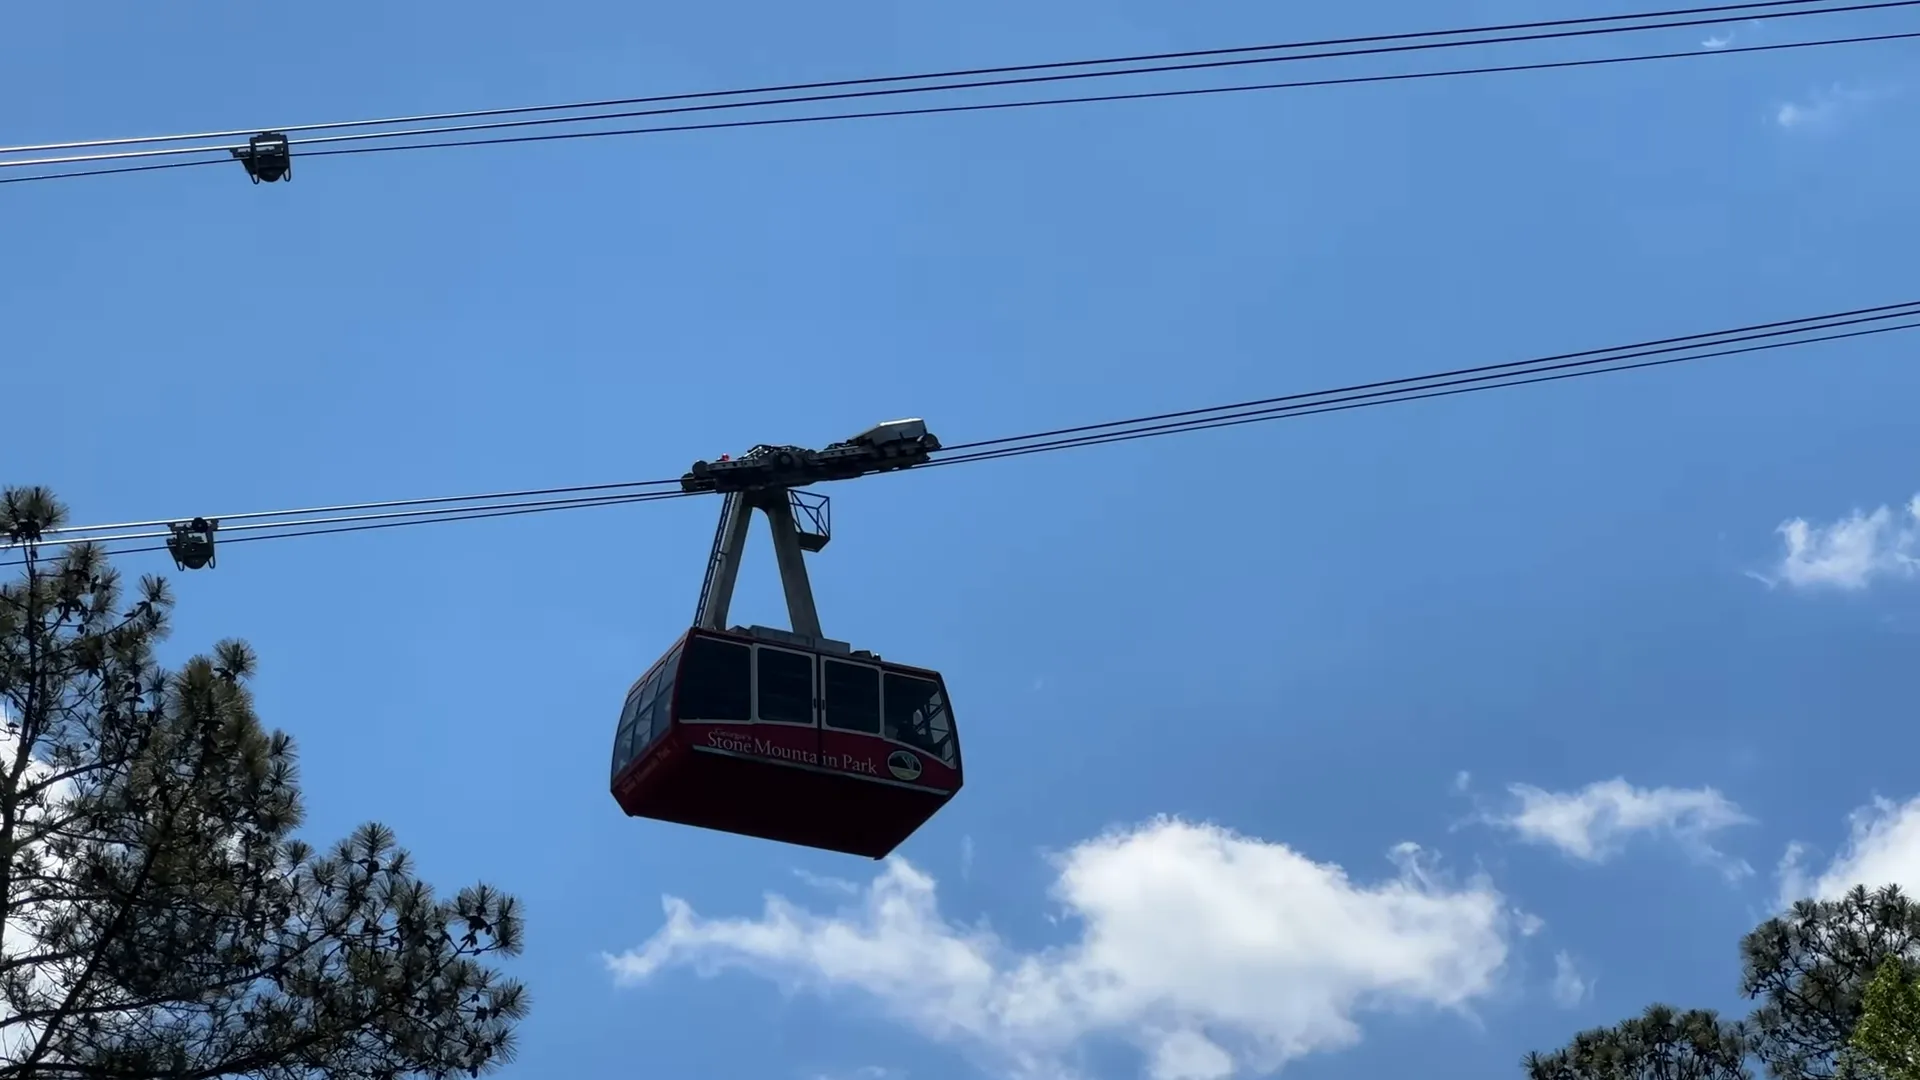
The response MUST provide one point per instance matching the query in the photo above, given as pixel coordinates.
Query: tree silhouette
(1662, 1044)
(1887, 1038)
(158, 917)
(1809, 970)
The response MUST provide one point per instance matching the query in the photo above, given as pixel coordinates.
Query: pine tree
(158, 916)
(1662, 1044)
(1887, 1038)
(1813, 973)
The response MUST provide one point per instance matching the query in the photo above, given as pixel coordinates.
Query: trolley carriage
(787, 734)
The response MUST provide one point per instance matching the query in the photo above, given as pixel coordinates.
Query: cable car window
(851, 694)
(916, 714)
(627, 744)
(623, 739)
(656, 718)
(716, 682)
(623, 736)
(785, 686)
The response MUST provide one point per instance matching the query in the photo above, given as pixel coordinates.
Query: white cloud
(19, 937)
(1731, 34)
(1823, 107)
(1569, 987)
(1594, 823)
(864, 1072)
(1792, 114)
(1851, 552)
(1215, 954)
(827, 884)
(1883, 848)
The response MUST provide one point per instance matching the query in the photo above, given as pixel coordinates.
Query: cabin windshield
(851, 696)
(915, 713)
(648, 713)
(717, 685)
(784, 687)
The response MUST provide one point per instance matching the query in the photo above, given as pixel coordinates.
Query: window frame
(648, 695)
(753, 675)
(666, 683)
(649, 689)
(623, 749)
(623, 732)
(951, 759)
(813, 695)
(825, 698)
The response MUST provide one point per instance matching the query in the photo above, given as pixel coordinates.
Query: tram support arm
(723, 562)
(730, 543)
(801, 613)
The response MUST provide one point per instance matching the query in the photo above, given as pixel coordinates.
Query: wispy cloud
(827, 884)
(1720, 39)
(1882, 848)
(1569, 987)
(1215, 954)
(864, 1072)
(1823, 108)
(1850, 553)
(1594, 823)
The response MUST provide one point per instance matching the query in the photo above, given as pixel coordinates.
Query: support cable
(1756, 338)
(1722, 13)
(336, 151)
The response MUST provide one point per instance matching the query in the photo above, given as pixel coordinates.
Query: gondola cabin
(776, 735)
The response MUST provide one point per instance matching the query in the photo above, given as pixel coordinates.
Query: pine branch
(178, 929)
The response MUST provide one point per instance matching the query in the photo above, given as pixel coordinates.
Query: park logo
(903, 765)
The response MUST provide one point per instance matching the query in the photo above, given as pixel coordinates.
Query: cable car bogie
(267, 157)
(191, 543)
(896, 444)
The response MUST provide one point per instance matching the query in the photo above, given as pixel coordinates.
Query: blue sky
(1211, 687)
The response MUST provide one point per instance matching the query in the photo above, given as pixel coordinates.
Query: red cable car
(787, 735)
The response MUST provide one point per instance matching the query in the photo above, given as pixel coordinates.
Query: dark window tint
(623, 734)
(647, 713)
(916, 714)
(627, 745)
(786, 687)
(852, 696)
(623, 741)
(640, 705)
(653, 721)
(716, 681)
(657, 717)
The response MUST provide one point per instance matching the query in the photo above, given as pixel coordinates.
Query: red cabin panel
(766, 739)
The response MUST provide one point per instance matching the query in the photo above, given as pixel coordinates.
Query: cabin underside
(775, 800)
